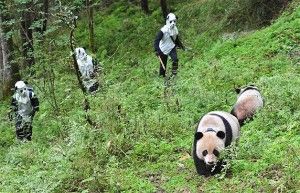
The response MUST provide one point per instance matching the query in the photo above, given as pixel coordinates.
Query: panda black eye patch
(216, 152)
(205, 152)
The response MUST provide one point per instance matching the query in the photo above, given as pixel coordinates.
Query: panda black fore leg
(202, 168)
(218, 167)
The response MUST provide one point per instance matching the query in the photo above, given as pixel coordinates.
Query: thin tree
(164, 8)
(40, 15)
(86, 106)
(2, 63)
(89, 8)
(9, 70)
(144, 6)
(45, 15)
(27, 35)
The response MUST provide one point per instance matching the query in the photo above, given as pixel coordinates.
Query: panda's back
(218, 121)
(247, 104)
(253, 96)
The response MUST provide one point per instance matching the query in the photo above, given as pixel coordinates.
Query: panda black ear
(177, 17)
(198, 135)
(84, 48)
(221, 134)
(237, 90)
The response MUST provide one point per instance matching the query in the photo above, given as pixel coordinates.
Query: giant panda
(215, 131)
(249, 100)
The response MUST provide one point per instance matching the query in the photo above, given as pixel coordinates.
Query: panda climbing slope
(216, 130)
(248, 102)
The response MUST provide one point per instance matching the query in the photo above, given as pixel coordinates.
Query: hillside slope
(144, 127)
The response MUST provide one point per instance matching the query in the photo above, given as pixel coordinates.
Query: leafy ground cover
(144, 132)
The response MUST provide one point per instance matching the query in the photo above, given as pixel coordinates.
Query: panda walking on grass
(216, 130)
(249, 101)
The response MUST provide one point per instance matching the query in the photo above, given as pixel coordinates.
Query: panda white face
(20, 88)
(209, 146)
(171, 20)
(80, 54)
(21, 91)
(172, 23)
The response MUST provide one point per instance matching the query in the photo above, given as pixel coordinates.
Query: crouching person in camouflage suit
(88, 68)
(24, 104)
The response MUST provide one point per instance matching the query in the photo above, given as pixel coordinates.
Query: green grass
(144, 129)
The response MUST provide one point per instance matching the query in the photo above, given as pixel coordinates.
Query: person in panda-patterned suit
(165, 45)
(87, 67)
(24, 104)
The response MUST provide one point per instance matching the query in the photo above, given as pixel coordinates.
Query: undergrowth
(144, 132)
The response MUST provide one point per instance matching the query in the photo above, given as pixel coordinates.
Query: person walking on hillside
(24, 104)
(165, 45)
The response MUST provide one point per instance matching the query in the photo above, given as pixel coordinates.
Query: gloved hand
(32, 113)
(182, 47)
(10, 115)
(158, 52)
(93, 75)
(13, 109)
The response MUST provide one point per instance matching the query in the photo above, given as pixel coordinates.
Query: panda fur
(215, 131)
(249, 100)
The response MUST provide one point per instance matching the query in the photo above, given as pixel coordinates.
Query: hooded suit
(24, 103)
(165, 44)
(87, 69)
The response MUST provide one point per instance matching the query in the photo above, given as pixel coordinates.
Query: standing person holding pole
(165, 45)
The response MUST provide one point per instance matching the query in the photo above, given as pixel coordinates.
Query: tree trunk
(1, 65)
(144, 5)
(75, 64)
(40, 13)
(45, 15)
(89, 7)
(164, 8)
(27, 36)
(9, 70)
